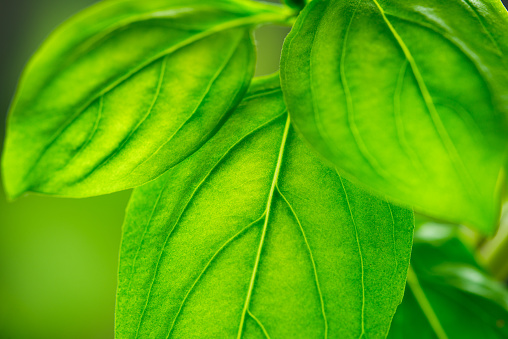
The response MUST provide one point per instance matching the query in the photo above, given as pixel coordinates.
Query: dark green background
(58, 257)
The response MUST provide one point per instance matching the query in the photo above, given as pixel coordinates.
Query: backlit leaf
(125, 90)
(408, 98)
(253, 236)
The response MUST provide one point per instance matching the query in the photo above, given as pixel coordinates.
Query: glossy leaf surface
(253, 236)
(125, 90)
(448, 294)
(408, 98)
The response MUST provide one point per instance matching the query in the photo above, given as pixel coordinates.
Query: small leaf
(125, 90)
(448, 294)
(253, 236)
(408, 98)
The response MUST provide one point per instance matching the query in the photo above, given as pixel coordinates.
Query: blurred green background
(58, 257)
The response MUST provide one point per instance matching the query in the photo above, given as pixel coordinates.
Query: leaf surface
(253, 236)
(125, 90)
(408, 98)
(448, 294)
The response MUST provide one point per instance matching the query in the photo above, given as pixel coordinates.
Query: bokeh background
(58, 257)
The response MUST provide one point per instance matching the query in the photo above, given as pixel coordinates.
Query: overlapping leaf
(408, 98)
(448, 294)
(127, 89)
(253, 236)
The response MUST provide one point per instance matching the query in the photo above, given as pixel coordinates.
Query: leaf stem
(421, 298)
(495, 252)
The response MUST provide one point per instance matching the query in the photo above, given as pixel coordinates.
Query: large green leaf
(408, 98)
(448, 294)
(125, 90)
(253, 236)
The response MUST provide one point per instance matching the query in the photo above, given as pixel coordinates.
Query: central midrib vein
(265, 227)
(431, 108)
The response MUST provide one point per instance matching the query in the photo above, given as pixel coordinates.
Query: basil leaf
(448, 294)
(407, 98)
(125, 90)
(254, 236)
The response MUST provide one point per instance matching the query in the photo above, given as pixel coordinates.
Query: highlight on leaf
(407, 98)
(127, 89)
(253, 235)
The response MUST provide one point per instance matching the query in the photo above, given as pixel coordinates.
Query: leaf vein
(360, 254)
(315, 108)
(259, 323)
(471, 58)
(205, 94)
(311, 256)
(138, 125)
(208, 264)
(187, 204)
(130, 73)
(399, 122)
(265, 227)
(482, 23)
(92, 132)
(435, 118)
(350, 111)
(145, 231)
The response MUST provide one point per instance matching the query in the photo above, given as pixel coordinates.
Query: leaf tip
(13, 188)
(13, 192)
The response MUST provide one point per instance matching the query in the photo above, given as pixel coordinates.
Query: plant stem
(495, 253)
(421, 298)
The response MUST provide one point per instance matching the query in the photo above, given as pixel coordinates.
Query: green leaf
(448, 294)
(408, 98)
(125, 90)
(253, 236)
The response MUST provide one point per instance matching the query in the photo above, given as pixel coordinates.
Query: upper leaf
(254, 236)
(125, 90)
(448, 294)
(408, 98)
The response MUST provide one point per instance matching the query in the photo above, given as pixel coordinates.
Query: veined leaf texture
(125, 90)
(407, 98)
(253, 236)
